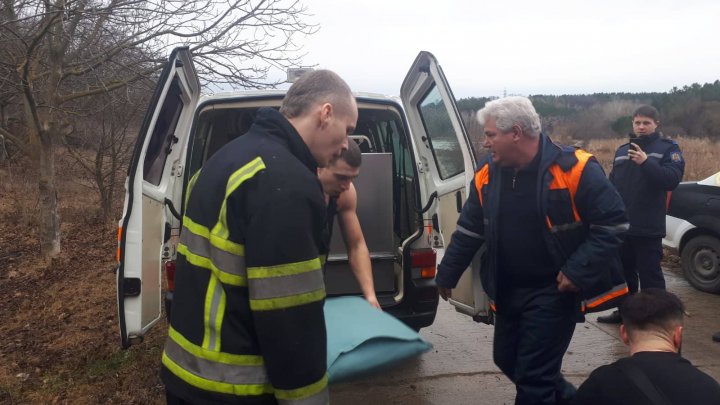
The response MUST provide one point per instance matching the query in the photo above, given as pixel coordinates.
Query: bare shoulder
(347, 199)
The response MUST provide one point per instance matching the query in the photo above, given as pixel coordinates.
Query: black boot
(716, 337)
(614, 317)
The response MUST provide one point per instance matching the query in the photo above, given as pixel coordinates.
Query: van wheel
(701, 263)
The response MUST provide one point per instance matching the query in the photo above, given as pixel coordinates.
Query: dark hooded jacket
(584, 220)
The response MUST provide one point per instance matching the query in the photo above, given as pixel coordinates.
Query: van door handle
(458, 200)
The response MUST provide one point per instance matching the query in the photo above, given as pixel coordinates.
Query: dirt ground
(58, 322)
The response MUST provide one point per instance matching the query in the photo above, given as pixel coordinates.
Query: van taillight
(170, 274)
(119, 234)
(423, 263)
(667, 201)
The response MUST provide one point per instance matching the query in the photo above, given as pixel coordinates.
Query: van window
(163, 136)
(441, 135)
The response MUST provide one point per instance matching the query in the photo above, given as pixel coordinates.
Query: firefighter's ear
(326, 113)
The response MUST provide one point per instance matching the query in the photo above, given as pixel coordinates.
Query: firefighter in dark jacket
(551, 222)
(247, 325)
(644, 171)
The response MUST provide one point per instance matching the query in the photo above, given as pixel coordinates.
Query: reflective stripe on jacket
(584, 219)
(247, 323)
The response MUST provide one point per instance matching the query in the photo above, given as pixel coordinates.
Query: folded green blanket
(363, 340)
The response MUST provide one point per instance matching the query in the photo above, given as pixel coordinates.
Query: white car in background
(693, 230)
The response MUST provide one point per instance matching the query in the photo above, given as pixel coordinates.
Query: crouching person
(655, 373)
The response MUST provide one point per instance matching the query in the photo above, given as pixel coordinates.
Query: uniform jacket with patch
(644, 187)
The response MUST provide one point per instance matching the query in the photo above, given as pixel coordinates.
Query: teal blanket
(363, 340)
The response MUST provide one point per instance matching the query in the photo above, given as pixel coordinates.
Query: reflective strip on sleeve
(655, 155)
(313, 394)
(240, 176)
(285, 285)
(564, 227)
(618, 290)
(612, 228)
(214, 371)
(223, 257)
(619, 158)
(467, 232)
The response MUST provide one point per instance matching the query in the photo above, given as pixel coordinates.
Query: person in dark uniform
(341, 199)
(655, 373)
(552, 223)
(644, 171)
(247, 325)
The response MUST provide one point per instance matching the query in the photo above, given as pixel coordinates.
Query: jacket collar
(550, 153)
(644, 140)
(271, 122)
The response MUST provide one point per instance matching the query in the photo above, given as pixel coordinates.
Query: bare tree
(56, 53)
(101, 143)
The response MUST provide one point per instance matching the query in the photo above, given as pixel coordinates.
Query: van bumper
(419, 306)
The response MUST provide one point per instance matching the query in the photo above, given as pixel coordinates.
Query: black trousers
(533, 328)
(641, 257)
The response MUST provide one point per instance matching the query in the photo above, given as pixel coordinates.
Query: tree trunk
(49, 218)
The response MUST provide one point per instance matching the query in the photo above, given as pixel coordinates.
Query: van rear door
(153, 191)
(446, 155)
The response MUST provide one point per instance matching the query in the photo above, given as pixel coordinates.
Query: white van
(417, 164)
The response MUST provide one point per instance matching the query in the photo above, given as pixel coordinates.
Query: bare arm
(358, 253)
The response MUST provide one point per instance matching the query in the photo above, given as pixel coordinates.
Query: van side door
(446, 162)
(151, 196)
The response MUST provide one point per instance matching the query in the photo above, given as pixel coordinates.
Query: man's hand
(445, 293)
(564, 284)
(373, 301)
(636, 154)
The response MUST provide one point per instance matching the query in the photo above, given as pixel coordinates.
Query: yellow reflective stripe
(215, 240)
(218, 357)
(287, 302)
(234, 181)
(306, 391)
(206, 263)
(215, 386)
(214, 299)
(190, 186)
(280, 270)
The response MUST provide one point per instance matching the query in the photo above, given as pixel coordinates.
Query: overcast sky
(520, 46)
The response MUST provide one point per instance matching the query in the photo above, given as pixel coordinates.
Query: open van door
(153, 191)
(445, 152)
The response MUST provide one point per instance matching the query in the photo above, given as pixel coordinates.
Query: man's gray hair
(509, 111)
(318, 86)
